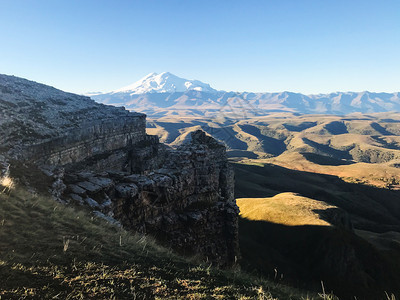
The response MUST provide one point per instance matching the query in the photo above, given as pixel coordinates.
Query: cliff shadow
(370, 208)
(303, 256)
(326, 160)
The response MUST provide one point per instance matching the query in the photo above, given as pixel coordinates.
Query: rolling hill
(304, 228)
(322, 142)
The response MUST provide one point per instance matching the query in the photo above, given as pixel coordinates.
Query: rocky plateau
(100, 157)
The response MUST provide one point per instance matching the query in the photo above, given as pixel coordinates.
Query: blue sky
(309, 46)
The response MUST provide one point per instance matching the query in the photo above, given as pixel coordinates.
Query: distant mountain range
(166, 94)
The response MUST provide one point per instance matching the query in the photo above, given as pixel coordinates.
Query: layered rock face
(33, 113)
(187, 203)
(100, 157)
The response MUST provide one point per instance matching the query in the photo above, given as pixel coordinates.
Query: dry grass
(49, 251)
(285, 208)
(292, 249)
(379, 175)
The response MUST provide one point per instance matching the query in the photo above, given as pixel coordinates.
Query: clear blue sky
(308, 46)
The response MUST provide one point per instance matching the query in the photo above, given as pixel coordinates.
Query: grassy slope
(285, 208)
(51, 251)
(381, 175)
(306, 254)
(371, 208)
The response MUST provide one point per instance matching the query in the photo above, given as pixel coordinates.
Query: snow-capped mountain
(164, 83)
(165, 94)
(159, 90)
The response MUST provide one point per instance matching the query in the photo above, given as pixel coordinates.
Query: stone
(76, 189)
(107, 203)
(84, 175)
(141, 181)
(89, 186)
(162, 180)
(102, 182)
(126, 190)
(92, 203)
(117, 175)
(76, 198)
(109, 219)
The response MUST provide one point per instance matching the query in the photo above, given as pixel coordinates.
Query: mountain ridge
(161, 94)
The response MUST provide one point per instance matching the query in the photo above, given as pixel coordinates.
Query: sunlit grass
(285, 208)
(6, 184)
(48, 250)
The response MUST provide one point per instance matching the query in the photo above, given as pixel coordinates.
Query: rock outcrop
(187, 203)
(101, 157)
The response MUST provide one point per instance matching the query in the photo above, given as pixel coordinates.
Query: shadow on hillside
(370, 208)
(304, 255)
(336, 127)
(328, 151)
(299, 127)
(380, 129)
(269, 144)
(385, 144)
(325, 160)
(241, 153)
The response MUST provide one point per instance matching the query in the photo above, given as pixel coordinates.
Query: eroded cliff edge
(100, 157)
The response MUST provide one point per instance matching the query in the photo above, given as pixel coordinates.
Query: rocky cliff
(187, 202)
(100, 157)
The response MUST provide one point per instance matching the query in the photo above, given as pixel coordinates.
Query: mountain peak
(165, 82)
(150, 75)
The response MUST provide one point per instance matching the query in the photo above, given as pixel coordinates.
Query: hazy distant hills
(165, 94)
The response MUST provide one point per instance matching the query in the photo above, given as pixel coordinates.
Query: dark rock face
(100, 157)
(187, 202)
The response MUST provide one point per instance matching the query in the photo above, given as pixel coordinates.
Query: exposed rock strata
(187, 203)
(100, 157)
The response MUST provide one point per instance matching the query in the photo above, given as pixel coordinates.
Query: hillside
(48, 250)
(287, 209)
(342, 146)
(308, 227)
(318, 196)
